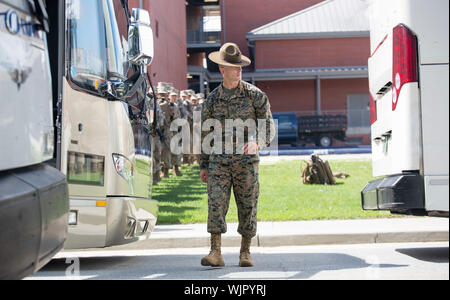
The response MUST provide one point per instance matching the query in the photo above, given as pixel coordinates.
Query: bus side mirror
(140, 38)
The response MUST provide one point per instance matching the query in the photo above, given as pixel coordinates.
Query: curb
(300, 240)
(282, 152)
(353, 238)
(301, 233)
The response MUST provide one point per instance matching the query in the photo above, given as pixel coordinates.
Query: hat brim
(215, 57)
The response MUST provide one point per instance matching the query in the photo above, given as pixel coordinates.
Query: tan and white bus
(100, 91)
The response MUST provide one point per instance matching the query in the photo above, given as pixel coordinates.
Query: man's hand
(251, 148)
(204, 175)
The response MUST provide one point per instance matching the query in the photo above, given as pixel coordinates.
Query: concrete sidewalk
(295, 233)
(280, 151)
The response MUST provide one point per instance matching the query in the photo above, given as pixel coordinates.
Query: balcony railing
(203, 37)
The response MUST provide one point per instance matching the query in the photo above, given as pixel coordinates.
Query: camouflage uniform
(156, 144)
(239, 171)
(195, 130)
(165, 106)
(186, 107)
(176, 113)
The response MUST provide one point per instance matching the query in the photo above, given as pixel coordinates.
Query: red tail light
(373, 109)
(404, 67)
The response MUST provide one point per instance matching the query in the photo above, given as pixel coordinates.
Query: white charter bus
(34, 202)
(409, 89)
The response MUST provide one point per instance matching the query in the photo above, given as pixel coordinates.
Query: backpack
(317, 171)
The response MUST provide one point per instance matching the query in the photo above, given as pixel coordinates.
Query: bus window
(87, 44)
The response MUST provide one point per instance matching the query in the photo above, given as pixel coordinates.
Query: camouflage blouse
(243, 116)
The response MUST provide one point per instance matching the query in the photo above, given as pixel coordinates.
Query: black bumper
(403, 193)
(34, 205)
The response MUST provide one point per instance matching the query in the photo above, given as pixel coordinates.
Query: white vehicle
(409, 88)
(34, 202)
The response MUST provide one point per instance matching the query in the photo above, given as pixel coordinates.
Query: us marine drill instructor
(233, 100)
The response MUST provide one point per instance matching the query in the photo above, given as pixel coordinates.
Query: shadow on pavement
(435, 255)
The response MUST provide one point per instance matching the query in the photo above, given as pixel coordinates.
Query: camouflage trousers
(175, 159)
(166, 154)
(156, 154)
(160, 153)
(243, 178)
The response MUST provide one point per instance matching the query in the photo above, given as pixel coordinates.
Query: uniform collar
(240, 92)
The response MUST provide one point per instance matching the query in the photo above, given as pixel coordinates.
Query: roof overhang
(345, 72)
(306, 35)
(308, 73)
(203, 45)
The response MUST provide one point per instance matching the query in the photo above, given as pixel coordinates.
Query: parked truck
(317, 129)
(409, 105)
(75, 156)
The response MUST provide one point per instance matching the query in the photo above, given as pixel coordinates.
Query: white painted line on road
(260, 275)
(60, 277)
(153, 276)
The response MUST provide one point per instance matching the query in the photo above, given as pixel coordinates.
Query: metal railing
(203, 37)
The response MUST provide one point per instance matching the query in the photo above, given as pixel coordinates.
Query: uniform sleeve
(264, 114)
(206, 114)
(177, 112)
(160, 116)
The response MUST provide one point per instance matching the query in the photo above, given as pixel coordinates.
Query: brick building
(309, 56)
(168, 20)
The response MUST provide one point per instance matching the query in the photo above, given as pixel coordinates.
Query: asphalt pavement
(381, 261)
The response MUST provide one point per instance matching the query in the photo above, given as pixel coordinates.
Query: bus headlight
(123, 166)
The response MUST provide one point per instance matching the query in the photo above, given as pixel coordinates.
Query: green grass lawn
(283, 196)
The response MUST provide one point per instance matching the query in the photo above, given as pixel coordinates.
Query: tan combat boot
(178, 172)
(245, 260)
(166, 172)
(214, 258)
(156, 178)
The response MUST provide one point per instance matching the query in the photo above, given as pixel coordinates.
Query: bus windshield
(87, 44)
(96, 54)
(115, 54)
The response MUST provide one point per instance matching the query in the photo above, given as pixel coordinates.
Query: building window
(212, 20)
